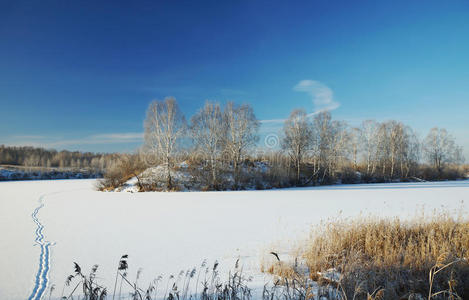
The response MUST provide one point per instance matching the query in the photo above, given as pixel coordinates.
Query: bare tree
(440, 148)
(322, 137)
(208, 133)
(459, 158)
(164, 126)
(340, 146)
(369, 140)
(396, 140)
(242, 127)
(355, 135)
(297, 138)
(409, 152)
(383, 149)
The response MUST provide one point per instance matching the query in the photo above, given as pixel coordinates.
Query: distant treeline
(39, 157)
(220, 143)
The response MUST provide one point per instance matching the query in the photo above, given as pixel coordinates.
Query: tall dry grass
(392, 256)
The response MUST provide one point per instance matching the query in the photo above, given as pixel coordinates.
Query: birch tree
(396, 140)
(409, 152)
(369, 143)
(242, 127)
(355, 145)
(164, 126)
(208, 133)
(297, 138)
(440, 148)
(322, 138)
(339, 145)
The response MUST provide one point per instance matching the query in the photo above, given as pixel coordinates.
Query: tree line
(43, 158)
(377, 150)
(313, 149)
(220, 144)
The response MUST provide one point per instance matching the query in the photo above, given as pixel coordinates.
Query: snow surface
(164, 233)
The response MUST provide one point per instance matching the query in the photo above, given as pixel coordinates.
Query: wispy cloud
(272, 121)
(119, 136)
(58, 142)
(321, 95)
(29, 137)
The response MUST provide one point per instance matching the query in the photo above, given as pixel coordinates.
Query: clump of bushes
(126, 167)
(446, 173)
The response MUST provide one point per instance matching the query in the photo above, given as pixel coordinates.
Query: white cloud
(322, 96)
(59, 142)
(119, 136)
(32, 137)
(272, 121)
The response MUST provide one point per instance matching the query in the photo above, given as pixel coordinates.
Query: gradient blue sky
(80, 74)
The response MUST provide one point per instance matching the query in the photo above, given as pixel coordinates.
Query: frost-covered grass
(164, 233)
(362, 256)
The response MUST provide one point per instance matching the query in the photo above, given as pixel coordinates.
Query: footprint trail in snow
(42, 277)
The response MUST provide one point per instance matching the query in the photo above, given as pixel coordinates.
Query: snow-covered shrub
(125, 168)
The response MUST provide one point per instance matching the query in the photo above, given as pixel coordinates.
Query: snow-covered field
(167, 232)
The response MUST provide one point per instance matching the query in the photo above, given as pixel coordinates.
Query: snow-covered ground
(184, 178)
(164, 233)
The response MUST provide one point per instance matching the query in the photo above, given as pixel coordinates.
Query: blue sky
(80, 74)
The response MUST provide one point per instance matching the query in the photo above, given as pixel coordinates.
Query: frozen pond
(47, 225)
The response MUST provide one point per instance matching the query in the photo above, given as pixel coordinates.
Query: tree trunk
(298, 172)
(168, 169)
(392, 165)
(214, 175)
(235, 172)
